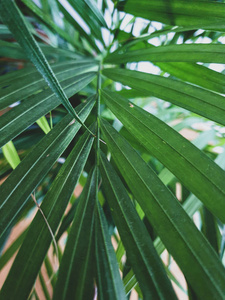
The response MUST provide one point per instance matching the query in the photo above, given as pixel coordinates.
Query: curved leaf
(48, 20)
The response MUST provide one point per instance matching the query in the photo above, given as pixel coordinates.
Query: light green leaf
(97, 14)
(78, 254)
(38, 236)
(72, 20)
(43, 124)
(208, 53)
(182, 239)
(11, 154)
(203, 102)
(93, 17)
(140, 251)
(89, 12)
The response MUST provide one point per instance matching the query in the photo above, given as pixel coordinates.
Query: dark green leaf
(13, 18)
(186, 244)
(24, 179)
(203, 102)
(75, 280)
(67, 220)
(21, 84)
(38, 236)
(198, 172)
(110, 285)
(15, 51)
(196, 74)
(22, 116)
(209, 228)
(141, 253)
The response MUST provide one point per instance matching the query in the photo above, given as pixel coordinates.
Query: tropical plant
(96, 95)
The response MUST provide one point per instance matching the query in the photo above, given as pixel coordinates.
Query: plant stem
(97, 149)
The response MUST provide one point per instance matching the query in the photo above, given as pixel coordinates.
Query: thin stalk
(97, 149)
(49, 227)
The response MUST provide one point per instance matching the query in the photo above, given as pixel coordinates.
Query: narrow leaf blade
(141, 253)
(38, 236)
(203, 102)
(202, 176)
(13, 18)
(202, 14)
(110, 285)
(207, 53)
(24, 179)
(78, 254)
(188, 246)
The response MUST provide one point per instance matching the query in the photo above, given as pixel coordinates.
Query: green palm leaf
(130, 171)
(14, 20)
(202, 14)
(38, 236)
(173, 225)
(108, 277)
(140, 250)
(203, 102)
(26, 177)
(79, 254)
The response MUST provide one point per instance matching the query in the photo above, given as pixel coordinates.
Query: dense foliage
(112, 135)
